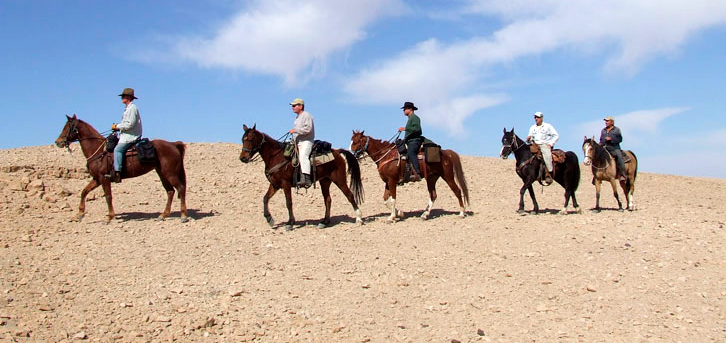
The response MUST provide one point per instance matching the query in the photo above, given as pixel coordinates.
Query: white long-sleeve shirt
(130, 125)
(544, 134)
(304, 127)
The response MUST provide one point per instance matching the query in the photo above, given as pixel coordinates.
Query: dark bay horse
(169, 166)
(390, 168)
(603, 168)
(567, 174)
(279, 171)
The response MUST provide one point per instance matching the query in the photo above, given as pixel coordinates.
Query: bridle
(514, 143)
(360, 151)
(254, 150)
(73, 129)
(592, 149)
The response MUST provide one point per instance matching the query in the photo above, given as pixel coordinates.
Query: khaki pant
(546, 155)
(304, 148)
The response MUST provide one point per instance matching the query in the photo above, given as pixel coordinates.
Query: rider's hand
(401, 129)
(114, 128)
(608, 138)
(291, 131)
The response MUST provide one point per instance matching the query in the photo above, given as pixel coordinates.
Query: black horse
(567, 174)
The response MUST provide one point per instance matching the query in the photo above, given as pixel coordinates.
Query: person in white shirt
(545, 136)
(304, 135)
(130, 131)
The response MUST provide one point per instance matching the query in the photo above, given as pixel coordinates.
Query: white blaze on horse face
(502, 155)
(586, 149)
(350, 147)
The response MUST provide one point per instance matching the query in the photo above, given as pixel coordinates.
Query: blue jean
(118, 154)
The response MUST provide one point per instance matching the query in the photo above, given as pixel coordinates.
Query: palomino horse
(567, 174)
(604, 168)
(390, 168)
(279, 171)
(169, 166)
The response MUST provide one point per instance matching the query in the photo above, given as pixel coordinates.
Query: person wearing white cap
(544, 135)
(303, 133)
(610, 138)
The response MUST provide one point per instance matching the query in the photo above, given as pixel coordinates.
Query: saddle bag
(111, 142)
(321, 147)
(289, 150)
(432, 151)
(146, 151)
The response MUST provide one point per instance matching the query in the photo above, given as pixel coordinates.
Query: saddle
(558, 156)
(141, 147)
(321, 153)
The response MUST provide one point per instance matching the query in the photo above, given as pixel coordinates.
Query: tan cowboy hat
(297, 101)
(128, 91)
(610, 118)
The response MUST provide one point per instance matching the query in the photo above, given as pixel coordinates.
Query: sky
(202, 69)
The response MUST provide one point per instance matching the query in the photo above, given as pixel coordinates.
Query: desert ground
(656, 274)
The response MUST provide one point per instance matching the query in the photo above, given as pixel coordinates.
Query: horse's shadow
(140, 216)
(435, 213)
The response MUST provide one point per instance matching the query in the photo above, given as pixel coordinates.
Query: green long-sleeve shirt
(413, 128)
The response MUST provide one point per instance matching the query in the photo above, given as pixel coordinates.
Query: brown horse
(390, 168)
(279, 171)
(604, 168)
(169, 166)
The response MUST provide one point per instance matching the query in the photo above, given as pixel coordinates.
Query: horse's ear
(585, 138)
(69, 118)
(254, 127)
(244, 127)
(512, 129)
(504, 129)
(74, 116)
(362, 132)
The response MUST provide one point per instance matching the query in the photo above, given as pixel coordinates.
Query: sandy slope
(657, 274)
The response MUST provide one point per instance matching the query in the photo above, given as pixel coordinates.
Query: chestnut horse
(279, 171)
(567, 173)
(604, 167)
(390, 168)
(169, 166)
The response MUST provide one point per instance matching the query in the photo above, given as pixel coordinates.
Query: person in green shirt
(413, 137)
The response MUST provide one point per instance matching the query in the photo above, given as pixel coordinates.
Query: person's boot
(114, 176)
(548, 178)
(415, 178)
(306, 181)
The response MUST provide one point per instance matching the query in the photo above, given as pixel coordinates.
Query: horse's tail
(459, 176)
(356, 185)
(575, 178)
(182, 173)
(635, 173)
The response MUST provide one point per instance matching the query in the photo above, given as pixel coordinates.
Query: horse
(567, 173)
(169, 166)
(279, 172)
(390, 168)
(604, 168)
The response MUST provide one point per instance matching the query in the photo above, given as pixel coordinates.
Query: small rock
(480, 332)
(590, 289)
(80, 335)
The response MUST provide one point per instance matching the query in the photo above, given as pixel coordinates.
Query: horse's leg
(391, 189)
(288, 201)
(82, 207)
(520, 210)
(598, 184)
(455, 188)
(181, 188)
(535, 209)
(567, 201)
(348, 194)
(106, 184)
(614, 184)
(574, 202)
(169, 195)
(325, 189)
(631, 190)
(265, 201)
(431, 185)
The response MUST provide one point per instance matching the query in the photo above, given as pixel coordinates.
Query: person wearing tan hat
(544, 135)
(130, 131)
(303, 133)
(610, 138)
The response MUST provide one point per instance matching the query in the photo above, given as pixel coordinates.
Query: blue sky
(201, 69)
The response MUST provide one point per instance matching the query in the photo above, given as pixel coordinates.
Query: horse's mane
(90, 127)
(268, 138)
(600, 155)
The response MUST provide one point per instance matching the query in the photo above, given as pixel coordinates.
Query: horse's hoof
(521, 212)
(359, 222)
(399, 214)
(562, 212)
(270, 222)
(424, 216)
(578, 210)
(621, 210)
(322, 226)
(595, 210)
(184, 219)
(390, 220)
(77, 218)
(160, 218)
(288, 227)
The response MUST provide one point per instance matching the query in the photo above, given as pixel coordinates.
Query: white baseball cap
(538, 114)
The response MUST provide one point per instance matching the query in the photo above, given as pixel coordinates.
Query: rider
(610, 138)
(544, 135)
(413, 137)
(130, 128)
(303, 134)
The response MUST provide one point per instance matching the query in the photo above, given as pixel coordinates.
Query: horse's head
(588, 149)
(510, 143)
(252, 141)
(69, 134)
(359, 143)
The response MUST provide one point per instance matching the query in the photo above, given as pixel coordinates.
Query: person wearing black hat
(130, 131)
(413, 137)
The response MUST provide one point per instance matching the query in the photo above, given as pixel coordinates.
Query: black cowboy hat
(409, 104)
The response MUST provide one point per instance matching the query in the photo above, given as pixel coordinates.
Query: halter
(72, 129)
(515, 143)
(360, 151)
(253, 151)
(592, 159)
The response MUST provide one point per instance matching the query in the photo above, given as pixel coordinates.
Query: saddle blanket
(322, 159)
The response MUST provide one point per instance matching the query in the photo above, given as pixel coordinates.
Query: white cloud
(288, 38)
(639, 125)
(630, 33)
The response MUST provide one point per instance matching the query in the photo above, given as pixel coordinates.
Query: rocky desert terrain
(657, 274)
